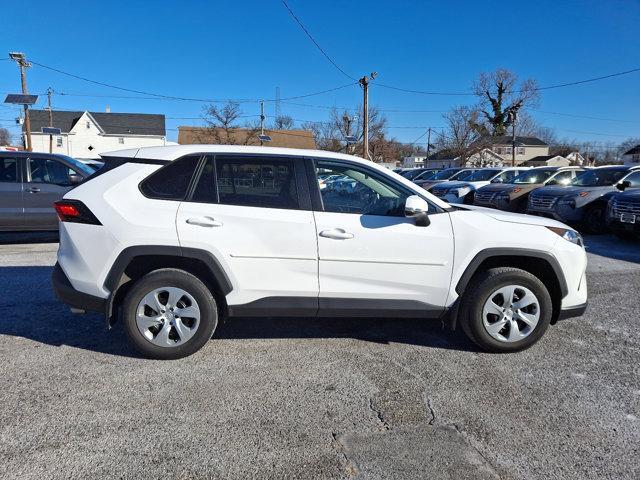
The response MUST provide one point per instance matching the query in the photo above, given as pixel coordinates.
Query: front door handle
(336, 234)
(204, 222)
(33, 189)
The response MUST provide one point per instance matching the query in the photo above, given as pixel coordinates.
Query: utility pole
(24, 64)
(512, 114)
(364, 83)
(49, 92)
(428, 145)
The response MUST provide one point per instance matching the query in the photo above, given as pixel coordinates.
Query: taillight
(75, 211)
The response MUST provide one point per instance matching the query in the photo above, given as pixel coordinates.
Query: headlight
(568, 234)
(569, 200)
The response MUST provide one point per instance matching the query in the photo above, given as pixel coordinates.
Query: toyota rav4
(169, 240)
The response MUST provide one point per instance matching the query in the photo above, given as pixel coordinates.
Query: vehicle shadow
(31, 311)
(12, 238)
(611, 246)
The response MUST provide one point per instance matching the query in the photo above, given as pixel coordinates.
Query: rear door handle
(204, 222)
(33, 189)
(336, 234)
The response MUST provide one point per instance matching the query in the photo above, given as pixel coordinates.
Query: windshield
(483, 175)
(533, 176)
(600, 177)
(79, 166)
(445, 174)
(462, 175)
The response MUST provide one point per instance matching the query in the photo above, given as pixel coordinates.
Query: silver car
(30, 183)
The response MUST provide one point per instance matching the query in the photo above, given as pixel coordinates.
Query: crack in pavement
(349, 466)
(378, 414)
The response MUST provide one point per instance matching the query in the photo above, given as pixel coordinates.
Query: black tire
(594, 220)
(169, 277)
(478, 291)
(627, 236)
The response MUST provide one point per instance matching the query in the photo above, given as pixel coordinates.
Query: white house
(413, 162)
(84, 135)
(632, 157)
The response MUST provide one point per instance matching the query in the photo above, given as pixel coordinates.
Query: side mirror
(622, 186)
(417, 207)
(75, 179)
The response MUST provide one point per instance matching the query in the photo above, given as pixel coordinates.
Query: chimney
(108, 109)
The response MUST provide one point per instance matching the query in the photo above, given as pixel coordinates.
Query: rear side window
(8, 170)
(171, 181)
(265, 182)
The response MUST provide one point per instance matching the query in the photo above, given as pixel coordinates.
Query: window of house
(88, 124)
(520, 151)
(121, 140)
(255, 182)
(8, 170)
(171, 181)
(58, 141)
(507, 150)
(360, 191)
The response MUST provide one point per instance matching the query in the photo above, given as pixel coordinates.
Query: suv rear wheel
(505, 309)
(169, 314)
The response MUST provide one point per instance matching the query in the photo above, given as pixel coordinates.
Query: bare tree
(222, 122)
(283, 122)
(460, 135)
(501, 99)
(5, 136)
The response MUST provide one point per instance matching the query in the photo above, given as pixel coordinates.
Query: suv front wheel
(505, 309)
(169, 314)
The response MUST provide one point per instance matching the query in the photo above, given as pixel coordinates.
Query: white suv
(170, 239)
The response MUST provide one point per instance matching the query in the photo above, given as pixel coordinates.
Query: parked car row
(596, 199)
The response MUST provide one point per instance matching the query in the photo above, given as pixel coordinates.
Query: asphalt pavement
(309, 398)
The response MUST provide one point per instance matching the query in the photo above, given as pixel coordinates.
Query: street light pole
(49, 92)
(24, 64)
(512, 114)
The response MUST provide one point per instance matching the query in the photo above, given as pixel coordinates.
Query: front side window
(533, 177)
(45, 170)
(482, 175)
(360, 191)
(8, 170)
(171, 181)
(462, 175)
(600, 177)
(265, 182)
(634, 180)
(562, 178)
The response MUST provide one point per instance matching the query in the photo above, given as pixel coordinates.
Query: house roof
(444, 154)
(242, 136)
(633, 151)
(542, 158)
(507, 140)
(110, 123)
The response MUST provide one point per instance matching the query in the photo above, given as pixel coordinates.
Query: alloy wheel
(511, 313)
(168, 316)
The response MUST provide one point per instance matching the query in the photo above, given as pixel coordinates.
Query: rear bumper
(72, 297)
(573, 312)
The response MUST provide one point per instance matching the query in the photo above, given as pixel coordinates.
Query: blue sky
(209, 49)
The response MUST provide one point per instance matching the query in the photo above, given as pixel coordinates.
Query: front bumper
(72, 297)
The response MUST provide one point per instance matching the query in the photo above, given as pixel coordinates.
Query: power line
(583, 116)
(548, 87)
(171, 97)
(316, 43)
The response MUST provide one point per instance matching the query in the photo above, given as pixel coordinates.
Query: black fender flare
(487, 253)
(126, 256)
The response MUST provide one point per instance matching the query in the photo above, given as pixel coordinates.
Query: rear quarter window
(171, 182)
